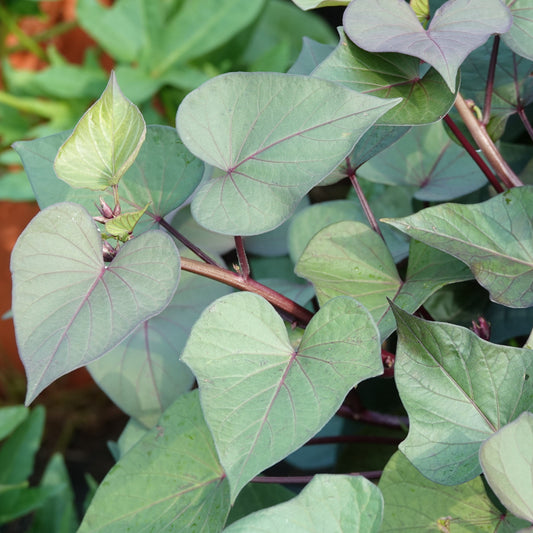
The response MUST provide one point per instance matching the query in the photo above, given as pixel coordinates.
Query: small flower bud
(108, 252)
(104, 209)
(481, 328)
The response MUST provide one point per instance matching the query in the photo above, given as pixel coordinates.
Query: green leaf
(121, 227)
(374, 141)
(130, 436)
(421, 9)
(426, 157)
(428, 271)
(262, 399)
(164, 173)
(170, 480)
(312, 4)
(151, 376)
(276, 38)
(69, 306)
(350, 258)
(329, 503)
(520, 37)
(272, 137)
(17, 453)
(104, 143)
(161, 35)
(61, 80)
(21, 501)
(58, 514)
(456, 29)
(426, 97)
(457, 390)
(101, 24)
(507, 462)
(10, 418)
(494, 238)
(414, 503)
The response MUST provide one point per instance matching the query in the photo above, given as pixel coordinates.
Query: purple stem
(489, 87)
(243, 260)
(525, 121)
(473, 154)
(362, 198)
(175, 233)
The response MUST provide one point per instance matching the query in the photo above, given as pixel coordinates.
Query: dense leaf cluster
(334, 296)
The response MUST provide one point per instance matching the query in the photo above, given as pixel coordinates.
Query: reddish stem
(489, 87)
(473, 154)
(527, 125)
(243, 260)
(362, 198)
(175, 233)
(300, 314)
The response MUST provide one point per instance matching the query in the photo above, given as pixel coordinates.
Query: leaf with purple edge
(456, 29)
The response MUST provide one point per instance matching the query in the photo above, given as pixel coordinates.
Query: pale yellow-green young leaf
(122, 225)
(421, 9)
(104, 143)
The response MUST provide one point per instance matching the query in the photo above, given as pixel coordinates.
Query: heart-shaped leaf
(143, 374)
(170, 480)
(520, 37)
(353, 504)
(69, 306)
(351, 259)
(262, 399)
(426, 98)
(458, 390)
(507, 461)
(414, 503)
(272, 137)
(456, 29)
(104, 143)
(486, 237)
(428, 158)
